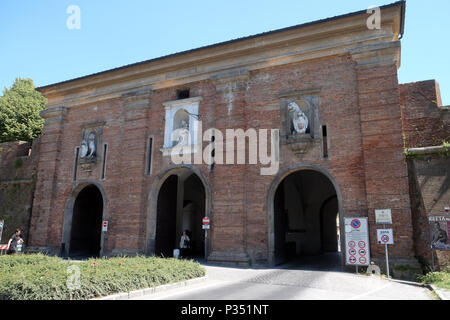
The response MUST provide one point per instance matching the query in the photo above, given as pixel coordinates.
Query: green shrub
(40, 277)
(439, 279)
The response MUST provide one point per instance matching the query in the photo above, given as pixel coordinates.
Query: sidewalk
(442, 293)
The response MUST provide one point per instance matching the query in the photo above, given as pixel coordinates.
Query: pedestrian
(184, 243)
(15, 240)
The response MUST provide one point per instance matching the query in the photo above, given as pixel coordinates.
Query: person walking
(15, 240)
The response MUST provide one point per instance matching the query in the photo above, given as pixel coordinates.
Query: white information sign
(357, 245)
(385, 236)
(383, 216)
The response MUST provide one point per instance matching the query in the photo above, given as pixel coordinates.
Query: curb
(438, 292)
(147, 291)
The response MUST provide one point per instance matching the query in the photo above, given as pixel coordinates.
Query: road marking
(179, 291)
(370, 292)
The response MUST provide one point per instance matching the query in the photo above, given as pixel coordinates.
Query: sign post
(2, 223)
(357, 246)
(105, 224)
(206, 227)
(386, 236)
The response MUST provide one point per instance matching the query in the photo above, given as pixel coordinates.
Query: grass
(41, 277)
(439, 279)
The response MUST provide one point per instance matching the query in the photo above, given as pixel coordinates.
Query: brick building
(106, 152)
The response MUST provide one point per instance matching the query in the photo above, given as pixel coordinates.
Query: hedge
(41, 277)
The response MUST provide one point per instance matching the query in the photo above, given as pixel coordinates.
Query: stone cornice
(182, 102)
(53, 113)
(331, 37)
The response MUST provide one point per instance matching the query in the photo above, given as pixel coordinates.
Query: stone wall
(426, 122)
(429, 179)
(17, 183)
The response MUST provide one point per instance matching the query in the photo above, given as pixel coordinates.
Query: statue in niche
(298, 119)
(181, 135)
(88, 147)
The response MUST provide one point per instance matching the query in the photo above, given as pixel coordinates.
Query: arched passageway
(85, 234)
(305, 217)
(180, 207)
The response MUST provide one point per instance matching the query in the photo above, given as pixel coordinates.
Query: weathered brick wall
(17, 182)
(365, 155)
(430, 194)
(425, 122)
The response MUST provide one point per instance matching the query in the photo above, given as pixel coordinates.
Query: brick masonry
(359, 100)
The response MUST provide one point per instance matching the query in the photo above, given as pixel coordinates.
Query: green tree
(19, 112)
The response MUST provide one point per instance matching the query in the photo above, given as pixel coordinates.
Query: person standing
(184, 244)
(15, 240)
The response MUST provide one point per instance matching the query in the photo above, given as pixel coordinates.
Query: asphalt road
(291, 283)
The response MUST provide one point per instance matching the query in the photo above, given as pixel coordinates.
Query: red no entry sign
(205, 220)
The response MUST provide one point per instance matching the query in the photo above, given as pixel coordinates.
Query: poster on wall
(357, 245)
(439, 232)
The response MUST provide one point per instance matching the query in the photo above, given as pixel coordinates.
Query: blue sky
(36, 43)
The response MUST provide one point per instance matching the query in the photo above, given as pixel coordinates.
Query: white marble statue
(83, 149)
(181, 135)
(88, 148)
(298, 120)
(91, 145)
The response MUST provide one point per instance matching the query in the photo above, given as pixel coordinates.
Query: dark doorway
(306, 218)
(181, 207)
(85, 239)
(167, 215)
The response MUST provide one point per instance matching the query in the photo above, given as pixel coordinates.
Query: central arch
(179, 198)
(304, 214)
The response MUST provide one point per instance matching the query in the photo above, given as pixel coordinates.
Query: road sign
(383, 216)
(206, 224)
(357, 241)
(105, 226)
(385, 236)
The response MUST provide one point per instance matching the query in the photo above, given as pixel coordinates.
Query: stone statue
(181, 135)
(91, 145)
(83, 149)
(298, 120)
(88, 148)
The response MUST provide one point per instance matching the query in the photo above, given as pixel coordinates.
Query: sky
(36, 42)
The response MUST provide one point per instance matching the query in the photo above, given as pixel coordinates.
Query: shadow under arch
(69, 213)
(282, 174)
(152, 211)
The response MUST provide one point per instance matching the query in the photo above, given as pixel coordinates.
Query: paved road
(291, 283)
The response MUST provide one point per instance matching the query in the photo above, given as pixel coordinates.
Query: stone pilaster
(50, 147)
(386, 176)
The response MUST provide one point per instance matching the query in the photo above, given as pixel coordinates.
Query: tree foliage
(19, 112)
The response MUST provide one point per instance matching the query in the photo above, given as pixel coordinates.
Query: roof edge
(401, 3)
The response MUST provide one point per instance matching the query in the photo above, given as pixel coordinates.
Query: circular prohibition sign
(363, 260)
(362, 244)
(355, 223)
(385, 238)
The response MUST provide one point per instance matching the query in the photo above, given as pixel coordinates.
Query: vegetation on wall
(19, 112)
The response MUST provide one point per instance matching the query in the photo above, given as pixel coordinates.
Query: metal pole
(387, 260)
(206, 246)
(432, 259)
